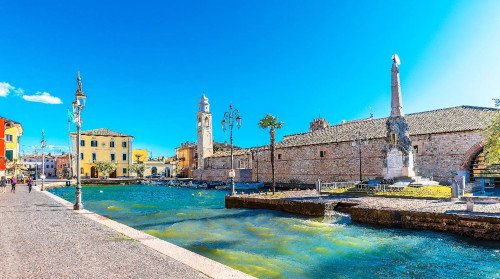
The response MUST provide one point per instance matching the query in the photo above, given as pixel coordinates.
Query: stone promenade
(42, 238)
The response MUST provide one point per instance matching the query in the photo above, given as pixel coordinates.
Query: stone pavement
(41, 238)
(487, 207)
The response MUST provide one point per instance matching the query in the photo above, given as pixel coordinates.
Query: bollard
(462, 185)
(454, 191)
(318, 186)
(470, 205)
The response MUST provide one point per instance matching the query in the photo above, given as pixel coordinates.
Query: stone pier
(420, 214)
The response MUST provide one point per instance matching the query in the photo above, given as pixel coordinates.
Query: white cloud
(5, 89)
(38, 97)
(43, 97)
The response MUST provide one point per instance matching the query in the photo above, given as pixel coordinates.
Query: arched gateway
(473, 162)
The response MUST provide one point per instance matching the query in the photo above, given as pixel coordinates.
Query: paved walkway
(486, 207)
(40, 238)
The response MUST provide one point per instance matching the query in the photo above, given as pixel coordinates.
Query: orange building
(63, 166)
(187, 159)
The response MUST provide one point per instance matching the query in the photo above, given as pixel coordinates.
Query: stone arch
(471, 153)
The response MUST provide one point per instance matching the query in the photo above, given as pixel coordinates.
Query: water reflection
(271, 244)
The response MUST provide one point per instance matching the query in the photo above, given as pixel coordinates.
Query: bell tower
(205, 146)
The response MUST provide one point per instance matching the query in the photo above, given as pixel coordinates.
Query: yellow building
(187, 159)
(139, 155)
(12, 146)
(107, 146)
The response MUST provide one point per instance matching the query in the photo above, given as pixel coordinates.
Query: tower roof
(204, 105)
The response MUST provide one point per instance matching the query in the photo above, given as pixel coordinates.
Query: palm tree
(273, 123)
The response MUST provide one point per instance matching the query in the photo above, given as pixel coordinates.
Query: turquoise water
(270, 244)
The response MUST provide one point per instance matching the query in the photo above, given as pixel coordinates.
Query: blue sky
(145, 64)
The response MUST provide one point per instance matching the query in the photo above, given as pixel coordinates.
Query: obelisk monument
(399, 151)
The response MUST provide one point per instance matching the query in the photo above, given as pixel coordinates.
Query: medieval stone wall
(340, 162)
(439, 156)
(242, 175)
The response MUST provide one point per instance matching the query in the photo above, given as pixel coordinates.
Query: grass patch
(441, 192)
(336, 191)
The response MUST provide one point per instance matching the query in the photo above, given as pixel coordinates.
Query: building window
(10, 155)
(112, 157)
(124, 144)
(8, 138)
(94, 157)
(124, 171)
(81, 156)
(82, 142)
(93, 143)
(322, 153)
(112, 144)
(124, 156)
(415, 148)
(279, 156)
(81, 171)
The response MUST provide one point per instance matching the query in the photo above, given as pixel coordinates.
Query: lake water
(269, 244)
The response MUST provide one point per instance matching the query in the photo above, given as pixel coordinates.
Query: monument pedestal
(396, 167)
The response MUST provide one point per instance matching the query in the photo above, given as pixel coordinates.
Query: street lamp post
(36, 164)
(78, 105)
(42, 143)
(231, 117)
(358, 142)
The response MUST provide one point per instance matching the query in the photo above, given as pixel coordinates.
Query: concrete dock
(42, 237)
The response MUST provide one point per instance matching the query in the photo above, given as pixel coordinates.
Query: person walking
(3, 183)
(30, 184)
(13, 182)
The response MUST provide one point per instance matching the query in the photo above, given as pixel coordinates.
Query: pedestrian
(13, 182)
(30, 184)
(3, 183)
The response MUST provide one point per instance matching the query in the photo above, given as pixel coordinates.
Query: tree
(492, 140)
(105, 168)
(273, 123)
(137, 169)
